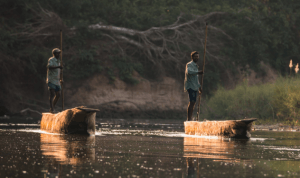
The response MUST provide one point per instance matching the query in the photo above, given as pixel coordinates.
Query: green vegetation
(260, 30)
(84, 64)
(271, 103)
(242, 34)
(125, 67)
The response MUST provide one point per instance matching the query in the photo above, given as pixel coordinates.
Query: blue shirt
(191, 77)
(53, 74)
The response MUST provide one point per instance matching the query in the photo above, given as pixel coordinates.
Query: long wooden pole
(61, 72)
(198, 113)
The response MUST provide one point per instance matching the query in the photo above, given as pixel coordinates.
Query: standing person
(53, 78)
(191, 82)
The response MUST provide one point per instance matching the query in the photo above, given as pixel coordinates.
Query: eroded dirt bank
(164, 95)
(163, 99)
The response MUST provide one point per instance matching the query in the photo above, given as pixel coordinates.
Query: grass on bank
(270, 103)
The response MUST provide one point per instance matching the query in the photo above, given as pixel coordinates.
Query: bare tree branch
(158, 44)
(31, 110)
(44, 24)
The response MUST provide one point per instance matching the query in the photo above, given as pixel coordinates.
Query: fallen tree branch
(31, 110)
(147, 37)
(33, 105)
(156, 44)
(44, 24)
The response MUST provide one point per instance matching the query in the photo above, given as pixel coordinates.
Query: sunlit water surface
(145, 149)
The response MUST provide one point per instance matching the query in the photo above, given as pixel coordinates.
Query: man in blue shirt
(191, 82)
(53, 78)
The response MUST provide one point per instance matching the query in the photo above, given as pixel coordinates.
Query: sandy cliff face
(167, 94)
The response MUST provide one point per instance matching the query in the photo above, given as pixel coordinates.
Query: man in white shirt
(191, 82)
(53, 78)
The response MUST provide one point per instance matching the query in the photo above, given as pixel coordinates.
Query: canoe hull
(228, 128)
(70, 121)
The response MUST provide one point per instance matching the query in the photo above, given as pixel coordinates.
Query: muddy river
(141, 148)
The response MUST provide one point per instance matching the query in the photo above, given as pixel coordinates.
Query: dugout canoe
(227, 128)
(79, 120)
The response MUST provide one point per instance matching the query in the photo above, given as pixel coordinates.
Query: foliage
(241, 102)
(258, 30)
(262, 30)
(126, 67)
(266, 31)
(84, 64)
(287, 94)
(268, 102)
(110, 73)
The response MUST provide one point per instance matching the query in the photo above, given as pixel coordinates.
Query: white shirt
(191, 76)
(53, 74)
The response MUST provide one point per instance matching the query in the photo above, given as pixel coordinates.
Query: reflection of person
(191, 82)
(190, 167)
(53, 78)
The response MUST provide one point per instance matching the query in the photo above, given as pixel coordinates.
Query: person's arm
(200, 90)
(200, 72)
(190, 70)
(51, 65)
(55, 67)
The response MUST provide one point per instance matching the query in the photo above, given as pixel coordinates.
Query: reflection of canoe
(229, 128)
(216, 149)
(77, 120)
(67, 149)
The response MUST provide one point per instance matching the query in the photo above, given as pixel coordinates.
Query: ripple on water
(280, 148)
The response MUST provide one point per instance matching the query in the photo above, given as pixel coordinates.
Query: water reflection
(216, 149)
(197, 150)
(191, 167)
(147, 152)
(66, 149)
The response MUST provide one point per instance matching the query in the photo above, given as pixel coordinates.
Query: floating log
(228, 128)
(78, 120)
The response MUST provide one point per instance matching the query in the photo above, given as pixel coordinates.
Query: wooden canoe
(79, 120)
(227, 128)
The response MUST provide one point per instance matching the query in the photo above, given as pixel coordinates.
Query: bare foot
(51, 110)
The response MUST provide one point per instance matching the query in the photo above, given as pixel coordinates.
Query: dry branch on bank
(165, 43)
(30, 110)
(171, 43)
(44, 24)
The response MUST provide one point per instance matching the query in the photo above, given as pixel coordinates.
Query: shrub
(126, 67)
(286, 96)
(276, 101)
(243, 101)
(84, 64)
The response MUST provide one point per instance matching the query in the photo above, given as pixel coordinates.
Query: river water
(140, 148)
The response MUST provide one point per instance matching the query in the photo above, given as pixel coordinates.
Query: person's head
(195, 56)
(56, 52)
